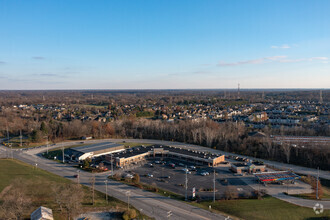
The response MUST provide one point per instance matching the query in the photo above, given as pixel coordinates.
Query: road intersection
(151, 204)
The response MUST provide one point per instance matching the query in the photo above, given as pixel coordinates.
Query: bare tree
(231, 193)
(16, 202)
(287, 151)
(69, 198)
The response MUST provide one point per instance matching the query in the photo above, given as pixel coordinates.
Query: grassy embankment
(267, 208)
(41, 194)
(325, 188)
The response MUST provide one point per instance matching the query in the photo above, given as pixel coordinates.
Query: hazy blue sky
(156, 44)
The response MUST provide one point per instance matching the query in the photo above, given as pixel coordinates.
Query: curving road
(149, 203)
(153, 205)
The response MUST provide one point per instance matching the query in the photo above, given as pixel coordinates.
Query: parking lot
(159, 173)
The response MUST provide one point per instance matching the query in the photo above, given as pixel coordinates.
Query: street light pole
(213, 184)
(21, 138)
(111, 165)
(186, 184)
(7, 136)
(106, 191)
(317, 183)
(128, 193)
(63, 153)
(47, 144)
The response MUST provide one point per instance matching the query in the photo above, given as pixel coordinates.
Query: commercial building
(95, 150)
(137, 154)
(250, 167)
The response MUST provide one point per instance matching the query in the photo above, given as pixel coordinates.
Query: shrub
(136, 178)
(129, 214)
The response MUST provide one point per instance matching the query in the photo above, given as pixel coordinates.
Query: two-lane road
(151, 204)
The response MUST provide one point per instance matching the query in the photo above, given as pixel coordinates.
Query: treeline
(180, 97)
(228, 136)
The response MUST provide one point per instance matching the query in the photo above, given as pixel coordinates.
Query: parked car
(130, 176)
(186, 171)
(150, 175)
(204, 173)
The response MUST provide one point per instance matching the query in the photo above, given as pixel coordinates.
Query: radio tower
(321, 99)
(263, 95)
(238, 92)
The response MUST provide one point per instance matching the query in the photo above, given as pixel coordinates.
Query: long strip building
(137, 154)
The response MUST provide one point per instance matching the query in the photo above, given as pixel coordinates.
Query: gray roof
(42, 213)
(96, 147)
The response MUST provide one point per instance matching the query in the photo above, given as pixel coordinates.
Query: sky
(164, 44)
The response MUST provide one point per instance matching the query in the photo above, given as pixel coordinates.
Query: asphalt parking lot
(167, 178)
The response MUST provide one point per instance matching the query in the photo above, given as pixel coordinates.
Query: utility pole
(213, 184)
(93, 187)
(21, 138)
(47, 144)
(111, 165)
(11, 149)
(186, 184)
(317, 183)
(106, 191)
(63, 153)
(7, 136)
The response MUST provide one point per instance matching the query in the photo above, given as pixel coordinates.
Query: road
(150, 204)
(284, 166)
(147, 201)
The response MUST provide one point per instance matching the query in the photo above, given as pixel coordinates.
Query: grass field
(326, 194)
(57, 152)
(41, 193)
(15, 142)
(268, 208)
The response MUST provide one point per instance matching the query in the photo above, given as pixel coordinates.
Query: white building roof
(42, 213)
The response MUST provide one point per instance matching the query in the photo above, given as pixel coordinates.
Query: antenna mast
(238, 91)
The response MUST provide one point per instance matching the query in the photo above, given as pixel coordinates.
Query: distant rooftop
(96, 147)
(42, 213)
(180, 150)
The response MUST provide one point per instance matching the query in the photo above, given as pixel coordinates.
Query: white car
(150, 175)
(186, 170)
